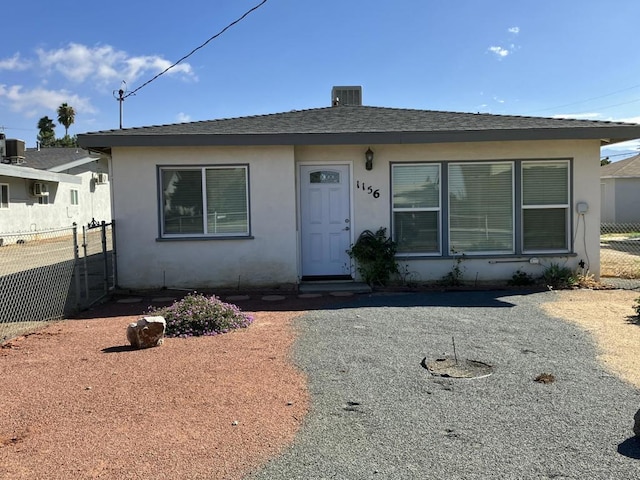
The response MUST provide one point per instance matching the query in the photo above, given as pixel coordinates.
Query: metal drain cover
(460, 368)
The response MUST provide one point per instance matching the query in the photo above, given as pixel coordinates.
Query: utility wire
(197, 48)
(591, 99)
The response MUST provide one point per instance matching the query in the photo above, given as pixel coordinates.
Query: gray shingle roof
(360, 125)
(52, 157)
(629, 167)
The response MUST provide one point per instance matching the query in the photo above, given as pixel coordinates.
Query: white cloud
(31, 102)
(103, 64)
(629, 120)
(499, 51)
(183, 118)
(14, 63)
(515, 30)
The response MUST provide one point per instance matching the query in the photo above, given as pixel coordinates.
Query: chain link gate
(49, 275)
(620, 254)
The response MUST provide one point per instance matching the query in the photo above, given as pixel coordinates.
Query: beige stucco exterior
(271, 255)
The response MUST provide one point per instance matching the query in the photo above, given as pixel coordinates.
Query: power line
(591, 99)
(197, 48)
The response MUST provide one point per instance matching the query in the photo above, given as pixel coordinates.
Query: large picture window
(205, 201)
(482, 208)
(416, 208)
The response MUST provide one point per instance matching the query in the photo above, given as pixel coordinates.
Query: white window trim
(75, 197)
(206, 235)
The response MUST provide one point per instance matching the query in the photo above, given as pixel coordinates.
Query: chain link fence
(48, 275)
(620, 254)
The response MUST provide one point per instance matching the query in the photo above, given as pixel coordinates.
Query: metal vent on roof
(346, 96)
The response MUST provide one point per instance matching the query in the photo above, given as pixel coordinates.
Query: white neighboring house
(50, 188)
(620, 191)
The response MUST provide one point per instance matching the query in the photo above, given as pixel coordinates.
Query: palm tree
(66, 117)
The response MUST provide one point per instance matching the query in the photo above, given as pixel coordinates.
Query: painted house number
(368, 188)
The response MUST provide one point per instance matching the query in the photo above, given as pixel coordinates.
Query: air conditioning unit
(102, 178)
(40, 189)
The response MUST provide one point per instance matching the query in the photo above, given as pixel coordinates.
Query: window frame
(517, 208)
(566, 207)
(75, 197)
(438, 209)
(4, 187)
(510, 251)
(162, 235)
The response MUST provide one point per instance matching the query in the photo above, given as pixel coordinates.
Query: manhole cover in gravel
(460, 368)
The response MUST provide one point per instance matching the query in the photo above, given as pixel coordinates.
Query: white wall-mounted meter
(582, 207)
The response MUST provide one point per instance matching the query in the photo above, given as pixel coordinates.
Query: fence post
(105, 261)
(86, 268)
(114, 256)
(76, 264)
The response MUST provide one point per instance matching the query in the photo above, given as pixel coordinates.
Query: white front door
(325, 220)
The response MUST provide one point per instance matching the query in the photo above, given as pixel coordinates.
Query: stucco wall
(269, 258)
(371, 213)
(627, 200)
(272, 257)
(25, 214)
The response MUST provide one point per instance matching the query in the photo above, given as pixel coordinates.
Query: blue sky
(569, 58)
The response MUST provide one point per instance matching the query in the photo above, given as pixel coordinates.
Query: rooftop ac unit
(102, 178)
(40, 189)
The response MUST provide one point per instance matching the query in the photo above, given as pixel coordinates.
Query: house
(279, 199)
(620, 191)
(51, 188)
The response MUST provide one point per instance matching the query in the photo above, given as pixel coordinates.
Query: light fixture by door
(368, 156)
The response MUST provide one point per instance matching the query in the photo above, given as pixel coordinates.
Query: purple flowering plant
(197, 315)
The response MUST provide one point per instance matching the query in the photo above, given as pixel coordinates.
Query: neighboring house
(51, 188)
(278, 199)
(620, 191)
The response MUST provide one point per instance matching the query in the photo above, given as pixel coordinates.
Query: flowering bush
(197, 315)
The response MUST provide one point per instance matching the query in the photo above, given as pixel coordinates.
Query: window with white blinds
(481, 207)
(545, 206)
(485, 208)
(416, 208)
(208, 201)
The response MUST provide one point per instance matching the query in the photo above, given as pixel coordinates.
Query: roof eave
(103, 142)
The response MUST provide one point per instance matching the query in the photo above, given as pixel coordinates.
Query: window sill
(203, 239)
(498, 257)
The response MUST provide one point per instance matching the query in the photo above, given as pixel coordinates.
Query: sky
(553, 58)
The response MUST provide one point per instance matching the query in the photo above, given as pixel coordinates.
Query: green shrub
(198, 315)
(455, 277)
(374, 254)
(556, 276)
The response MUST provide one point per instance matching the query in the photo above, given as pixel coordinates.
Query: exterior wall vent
(346, 96)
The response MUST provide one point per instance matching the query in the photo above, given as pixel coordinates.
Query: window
(44, 200)
(416, 208)
(4, 195)
(74, 197)
(208, 201)
(545, 206)
(481, 208)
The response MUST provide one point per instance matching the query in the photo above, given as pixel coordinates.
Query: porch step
(335, 286)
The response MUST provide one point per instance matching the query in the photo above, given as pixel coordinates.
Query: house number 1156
(368, 188)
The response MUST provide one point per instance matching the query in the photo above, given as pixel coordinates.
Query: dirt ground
(609, 316)
(78, 403)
